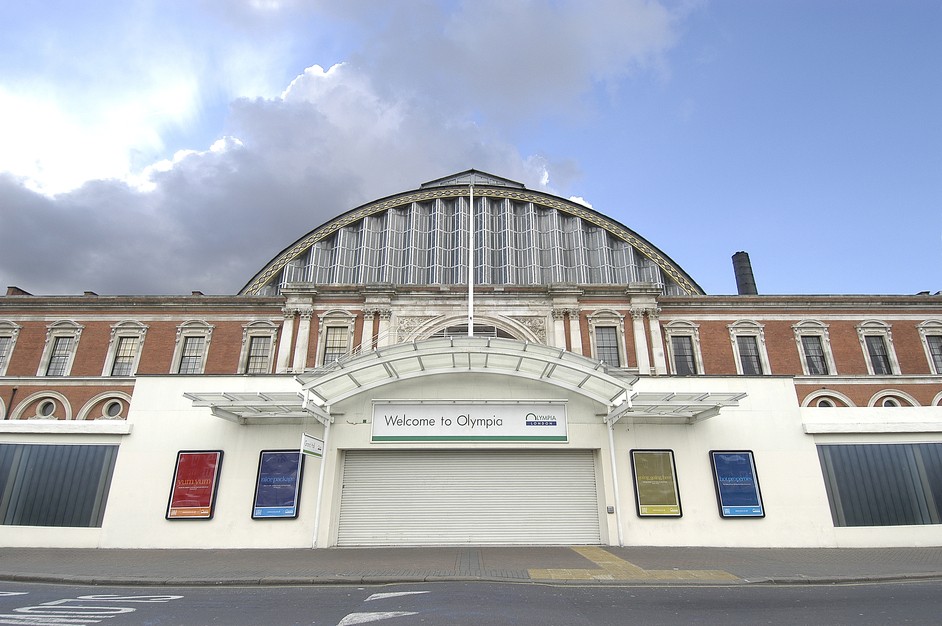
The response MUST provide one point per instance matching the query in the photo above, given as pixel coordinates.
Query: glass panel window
(5, 343)
(480, 330)
(55, 485)
(749, 355)
(606, 345)
(684, 363)
(259, 355)
(124, 356)
(876, 349)
(883, 484)
(335, 343)
(59, 360)
(814, 355)
(191, 359)
(935, 350)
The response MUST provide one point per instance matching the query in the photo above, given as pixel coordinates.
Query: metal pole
(471, 262)
(611, 449)
(320, 485)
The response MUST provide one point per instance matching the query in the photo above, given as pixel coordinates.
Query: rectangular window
(5, 343)
(814, 355)
(883, 484)
(55, 485)
(684, 363)
(124, 356)
(935, 351)
(191, 360)
(749, 355)
(335, 343)
(606, 345)
(59, 361)
(259, 355)
(879, 359)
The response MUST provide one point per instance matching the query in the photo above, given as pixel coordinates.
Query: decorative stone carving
(536, 324)
(407, 325)
(384, 313)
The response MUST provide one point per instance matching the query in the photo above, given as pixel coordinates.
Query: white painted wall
(767, 422)
(165, 422)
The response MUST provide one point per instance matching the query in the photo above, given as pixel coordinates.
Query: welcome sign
(494, 422)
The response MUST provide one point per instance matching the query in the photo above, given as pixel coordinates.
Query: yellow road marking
(613, 568)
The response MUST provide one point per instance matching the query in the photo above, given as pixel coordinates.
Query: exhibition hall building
(471, 363)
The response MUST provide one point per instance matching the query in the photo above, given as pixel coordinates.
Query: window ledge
(70, 427)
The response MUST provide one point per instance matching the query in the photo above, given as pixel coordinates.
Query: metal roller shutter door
(454, 497)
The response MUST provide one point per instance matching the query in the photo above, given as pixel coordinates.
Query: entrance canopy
(449, 355)
(488, 355)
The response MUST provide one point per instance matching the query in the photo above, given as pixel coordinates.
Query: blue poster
(278, 484)
(737, 484)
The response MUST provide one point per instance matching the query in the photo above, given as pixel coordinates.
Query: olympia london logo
(532, 419)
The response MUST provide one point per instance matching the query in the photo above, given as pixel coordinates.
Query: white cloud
(417, 101)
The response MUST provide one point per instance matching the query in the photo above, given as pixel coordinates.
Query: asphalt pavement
(605, 565)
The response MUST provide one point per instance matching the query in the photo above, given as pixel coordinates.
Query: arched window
(748, 339)
(876, 341)
(480, 330)
(192, 347)
(814, 348)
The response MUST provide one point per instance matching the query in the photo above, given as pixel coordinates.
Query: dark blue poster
(278, 484)
(737, 484)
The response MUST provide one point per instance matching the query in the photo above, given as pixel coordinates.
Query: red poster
(194, 485)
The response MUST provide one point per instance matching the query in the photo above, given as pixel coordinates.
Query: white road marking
(395, 594)
(365, 618)
(13, 593)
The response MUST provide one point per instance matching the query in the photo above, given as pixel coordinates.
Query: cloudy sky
(164, 146)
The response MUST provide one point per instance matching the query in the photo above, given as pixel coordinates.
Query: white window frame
(29, 407)
(835, 397)
(877, 328)
(683, 328)
(333, 319)
(191, 328)
(749, 328)
(819, 329)
(12, 330)
(259, 328)
(56, 330)
(901, 399)
(609, 319)
(130, 329)
(97, 407)
(926, 329)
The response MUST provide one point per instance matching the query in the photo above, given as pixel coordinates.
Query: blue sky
(166, 146)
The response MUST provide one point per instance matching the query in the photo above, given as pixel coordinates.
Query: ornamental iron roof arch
(419, 237)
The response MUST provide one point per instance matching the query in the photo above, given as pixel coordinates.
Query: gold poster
(656, 492)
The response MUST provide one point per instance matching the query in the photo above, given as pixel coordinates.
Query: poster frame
(295, 509)
(173, 513)
(729, 510)
(639, 504)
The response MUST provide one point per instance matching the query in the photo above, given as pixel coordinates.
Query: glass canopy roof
(521, 237)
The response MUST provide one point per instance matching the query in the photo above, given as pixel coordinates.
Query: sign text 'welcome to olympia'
(469, 422)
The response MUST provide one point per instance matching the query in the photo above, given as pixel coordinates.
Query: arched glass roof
(522, 237)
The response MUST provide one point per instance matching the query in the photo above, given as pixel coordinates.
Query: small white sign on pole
(312, 446)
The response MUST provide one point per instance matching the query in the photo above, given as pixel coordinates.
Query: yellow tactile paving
(613, 568)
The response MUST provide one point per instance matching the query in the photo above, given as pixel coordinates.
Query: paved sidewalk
(548, 564)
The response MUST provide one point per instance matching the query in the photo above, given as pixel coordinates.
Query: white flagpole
(471, 262)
